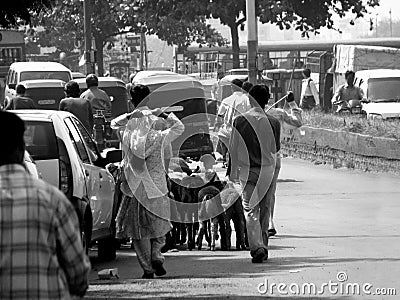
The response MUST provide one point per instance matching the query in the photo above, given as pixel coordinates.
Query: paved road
(328, 221)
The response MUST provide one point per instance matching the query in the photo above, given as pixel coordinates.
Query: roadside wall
(343, 149)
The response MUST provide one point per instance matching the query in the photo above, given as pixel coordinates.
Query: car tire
(107, 249)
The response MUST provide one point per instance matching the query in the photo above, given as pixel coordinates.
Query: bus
(12, 49)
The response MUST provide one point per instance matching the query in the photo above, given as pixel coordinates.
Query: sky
(385, 6)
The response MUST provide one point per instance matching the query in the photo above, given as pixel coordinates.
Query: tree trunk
(235, 44)
(99, 55)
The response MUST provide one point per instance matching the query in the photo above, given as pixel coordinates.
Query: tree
(16, 11)
(308, 16)
(161, 18)
(64, 25)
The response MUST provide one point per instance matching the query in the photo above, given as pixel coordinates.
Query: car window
(32, 75)
(77, 141)
(13, 77)
(40, 140)
(384, 88)
(9, 76)
(92, 148)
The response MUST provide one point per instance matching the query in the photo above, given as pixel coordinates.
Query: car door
(99, 186)
(106, 184)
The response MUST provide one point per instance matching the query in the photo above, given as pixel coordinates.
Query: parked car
(381, 89)
(45, 93)
(185, 91)
(67, 157)
(23, 71)
(116, 90)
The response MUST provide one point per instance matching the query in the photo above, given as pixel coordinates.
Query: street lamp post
(252, 40)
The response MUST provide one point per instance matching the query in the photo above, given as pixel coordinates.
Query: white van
(23, 71)
(381, 89)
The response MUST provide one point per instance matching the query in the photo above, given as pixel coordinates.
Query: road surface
(338, 230)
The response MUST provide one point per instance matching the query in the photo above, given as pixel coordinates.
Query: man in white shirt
(309, 93)
(232, 106)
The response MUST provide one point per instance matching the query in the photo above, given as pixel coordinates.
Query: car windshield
(34, 75)
(40, 140)
(384, 89)
(119, 99)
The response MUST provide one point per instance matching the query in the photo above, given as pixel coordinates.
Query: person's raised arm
(294, 119)
(337, 96)
(175, 128)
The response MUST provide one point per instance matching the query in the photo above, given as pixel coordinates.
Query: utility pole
(390, 18)
(88, 36)
(376, 25)
(252, 40)
(141, 59)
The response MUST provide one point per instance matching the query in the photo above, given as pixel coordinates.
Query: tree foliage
(12, 13)
(64, 24)
(307, 16)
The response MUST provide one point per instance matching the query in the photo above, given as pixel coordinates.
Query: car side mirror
(12, 86)
(114, 156)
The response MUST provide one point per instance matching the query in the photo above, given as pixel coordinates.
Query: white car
(381, 89)
(33, 70)
(67, 157)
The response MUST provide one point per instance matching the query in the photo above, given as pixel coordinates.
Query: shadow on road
(288, 236)
(127, 294)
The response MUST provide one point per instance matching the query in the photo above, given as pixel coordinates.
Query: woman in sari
(144, 213)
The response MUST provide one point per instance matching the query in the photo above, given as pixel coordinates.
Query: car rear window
(40, 140)
(192, 100)
(119, 98)
(33, 75)
(46, 98)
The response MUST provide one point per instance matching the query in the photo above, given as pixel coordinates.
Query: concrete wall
(343, 149)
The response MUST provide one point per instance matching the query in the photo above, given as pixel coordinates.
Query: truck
(361, 57)
(377, 74)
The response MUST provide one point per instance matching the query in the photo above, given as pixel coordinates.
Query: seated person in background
(347, 92)
(98, 98)
(20, 101)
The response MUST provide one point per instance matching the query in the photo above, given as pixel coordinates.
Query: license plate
(46, 102)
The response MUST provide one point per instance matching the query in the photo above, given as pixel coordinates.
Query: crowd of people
(38, 221)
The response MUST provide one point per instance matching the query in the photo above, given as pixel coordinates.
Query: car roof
(378, 73)
(39, 66)
(77, 75)
(166, 79)
(43, 83)
(239, 69)
(104, 81)
(230, 78)
(40, 114)
(150, 73)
